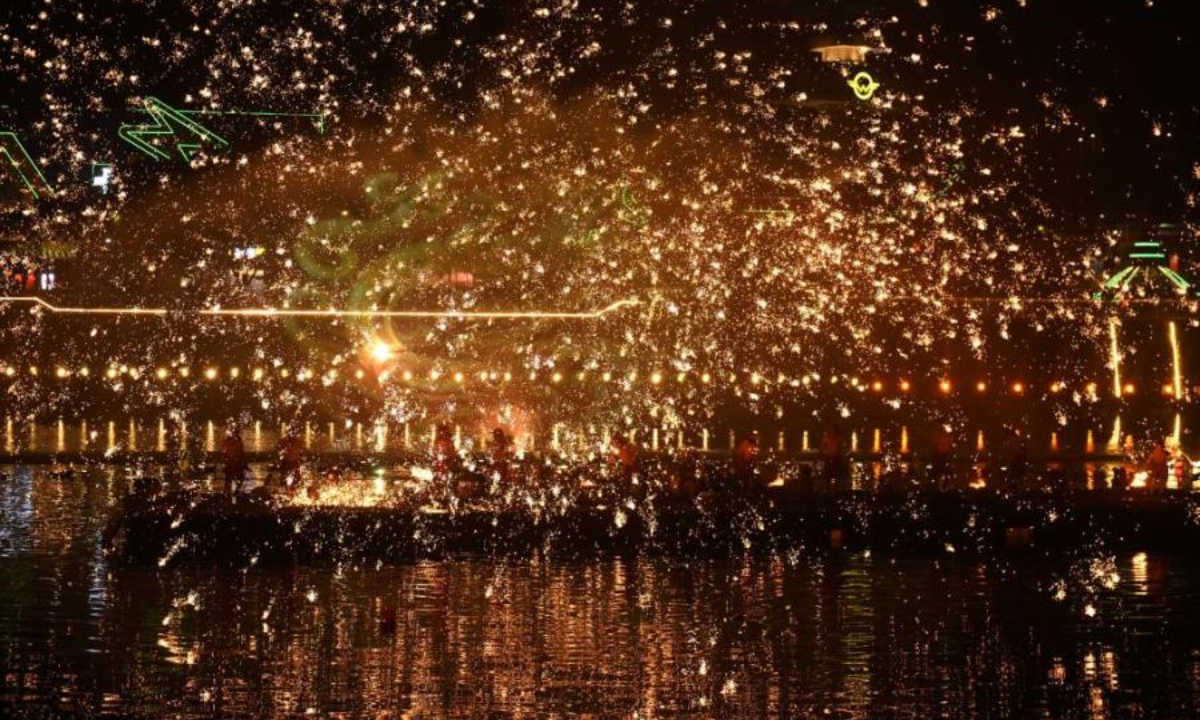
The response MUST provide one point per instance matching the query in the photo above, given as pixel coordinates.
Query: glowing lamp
(877, 386)
(84, 371)
(944, 386)
(161, 373)
(61, 372)
(981, 386)
(656, 378)
(1128, 389)
(904, 386)
(1018, 388)
(381, 351)
(210, 374)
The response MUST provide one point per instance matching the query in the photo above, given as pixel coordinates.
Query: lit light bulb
(381, 351)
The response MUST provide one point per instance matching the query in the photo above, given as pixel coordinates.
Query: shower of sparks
(708, 167)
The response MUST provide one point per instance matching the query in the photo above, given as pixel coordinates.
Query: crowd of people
(747, 470)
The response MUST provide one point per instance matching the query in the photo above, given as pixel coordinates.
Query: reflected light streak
(1114, 356)
(1177, 377)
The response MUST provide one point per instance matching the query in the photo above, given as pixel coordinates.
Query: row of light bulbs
(944, 386)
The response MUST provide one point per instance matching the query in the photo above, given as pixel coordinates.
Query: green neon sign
(167, 121)
(23, 165)
(1144, 250)
(863, 85)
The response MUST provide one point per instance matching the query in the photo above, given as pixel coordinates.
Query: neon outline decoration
(15, 162)
(166, 118)
(331, 313)
(318, 118)
(1143, 250)
(165, 121)
(863, 85)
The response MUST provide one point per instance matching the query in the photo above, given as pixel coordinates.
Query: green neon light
(1150, 243)
(863, 85)
(21, 159)
(167, 121)
(1116, 279)
(1175, 278)
(1148, 256)
(1129, 279)
(317, 118)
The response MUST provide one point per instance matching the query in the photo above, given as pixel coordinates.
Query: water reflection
(785, 636)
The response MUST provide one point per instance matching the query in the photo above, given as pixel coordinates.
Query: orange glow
(381, 351)
(944, 386)
(1018, 387)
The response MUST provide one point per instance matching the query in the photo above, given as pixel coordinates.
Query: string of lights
(890, 386)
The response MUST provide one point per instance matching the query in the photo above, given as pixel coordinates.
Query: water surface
(833, 635)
